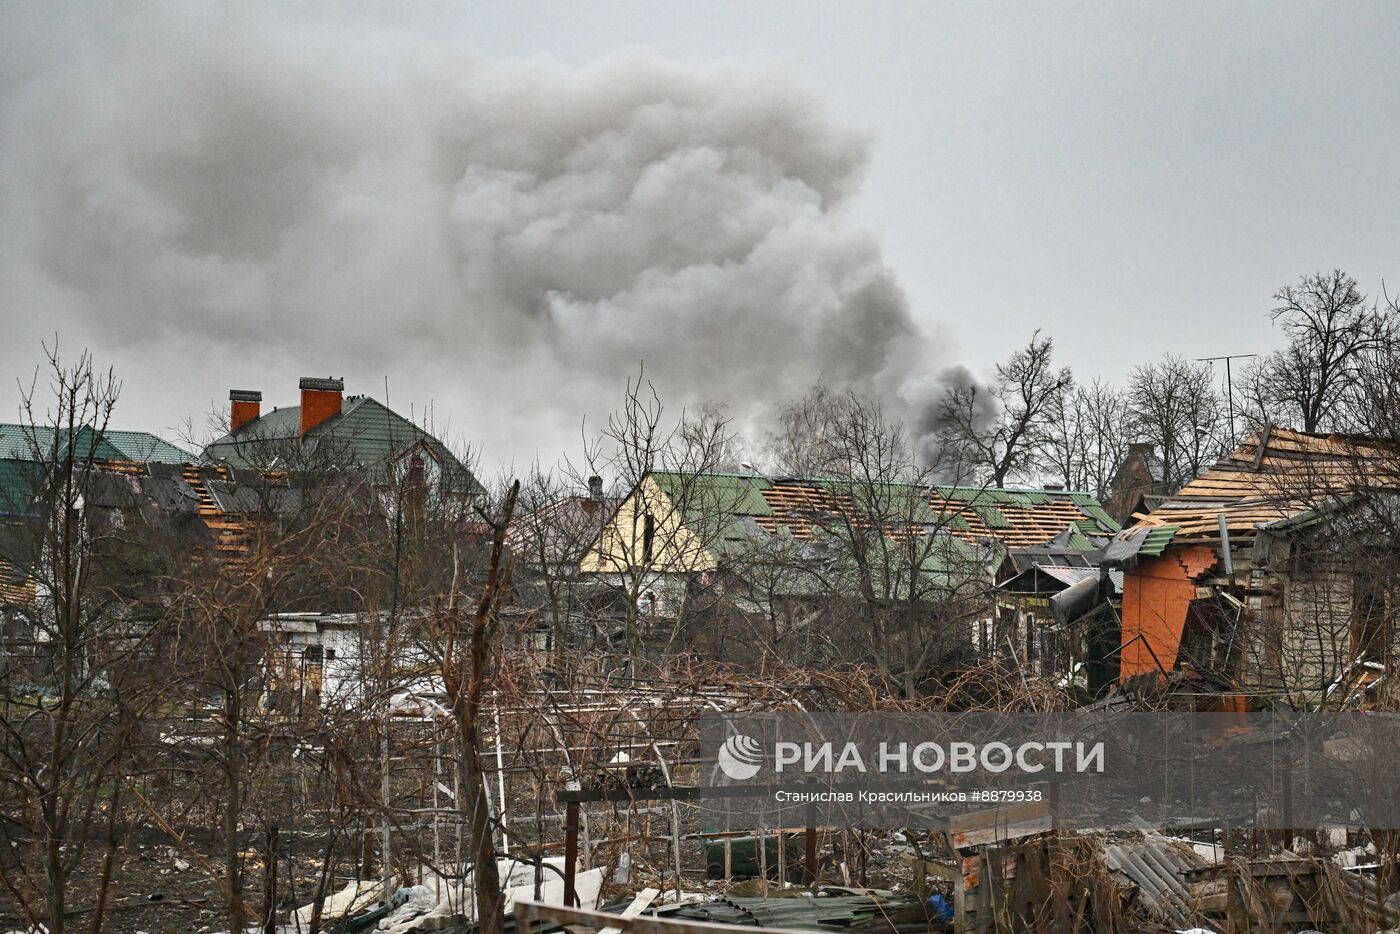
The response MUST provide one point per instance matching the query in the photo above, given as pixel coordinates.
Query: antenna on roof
(1229, 384)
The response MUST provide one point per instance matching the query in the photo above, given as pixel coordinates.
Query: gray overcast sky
(1128, 176)
(1133, 178)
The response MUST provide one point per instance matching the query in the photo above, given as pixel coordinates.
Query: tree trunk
(233, 789)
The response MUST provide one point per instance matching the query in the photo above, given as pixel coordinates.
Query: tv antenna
(1229, 383)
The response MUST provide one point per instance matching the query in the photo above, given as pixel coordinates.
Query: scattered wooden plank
(639, 904)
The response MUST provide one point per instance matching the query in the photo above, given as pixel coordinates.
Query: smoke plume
(219, 197)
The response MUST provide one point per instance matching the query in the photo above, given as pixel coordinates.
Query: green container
(743, 856)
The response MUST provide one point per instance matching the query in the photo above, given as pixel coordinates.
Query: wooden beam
(570, 852)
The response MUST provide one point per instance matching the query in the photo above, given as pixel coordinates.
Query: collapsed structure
(1263, 576)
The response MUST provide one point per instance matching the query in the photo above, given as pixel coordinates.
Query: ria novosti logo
(740, 757)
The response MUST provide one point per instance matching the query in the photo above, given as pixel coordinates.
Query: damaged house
(1270, 579)
(150, 511)
(792, 560)
(1048, 600)
(401, 471)
(27, 456)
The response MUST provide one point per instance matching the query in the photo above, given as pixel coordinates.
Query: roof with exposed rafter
(1278, 476)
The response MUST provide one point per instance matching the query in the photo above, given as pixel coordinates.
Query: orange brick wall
(1156, 595)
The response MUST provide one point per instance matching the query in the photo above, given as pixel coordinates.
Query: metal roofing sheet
(740, 494)
(148, 448)
(1157, 540)
(26, 442)
(1129, 544)
(1158, 866)
(366, 433)
(1069, 575)
(992, 516)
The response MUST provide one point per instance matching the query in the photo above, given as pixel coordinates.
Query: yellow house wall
(675, 548)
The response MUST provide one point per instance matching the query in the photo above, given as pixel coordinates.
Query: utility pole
(1229, 383)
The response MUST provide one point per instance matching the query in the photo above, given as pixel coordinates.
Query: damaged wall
(1157, 594)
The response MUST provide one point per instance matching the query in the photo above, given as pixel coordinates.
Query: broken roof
(976, 515)
(748, 514)
(1277, 476)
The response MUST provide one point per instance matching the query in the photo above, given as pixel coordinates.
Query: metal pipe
(1225, 546)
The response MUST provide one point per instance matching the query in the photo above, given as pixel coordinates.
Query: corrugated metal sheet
(1156, 541)
(992, 516)
(1137, 541)
(1070, 575)
(1081, 541)
(800, 913)
(1158, 867)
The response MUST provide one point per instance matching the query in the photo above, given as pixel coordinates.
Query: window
(648, 537)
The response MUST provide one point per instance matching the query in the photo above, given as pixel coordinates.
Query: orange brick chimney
(320, 400)
(245, 405)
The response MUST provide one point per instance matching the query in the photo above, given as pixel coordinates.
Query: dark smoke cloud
(241, 195)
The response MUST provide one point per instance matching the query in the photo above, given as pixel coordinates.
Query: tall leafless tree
(1330, 326)
(72, 686)
(1001, 428)
(1087, 438)
(664, 534)
(1175, 405)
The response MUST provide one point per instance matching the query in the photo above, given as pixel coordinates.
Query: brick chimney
(320, 400)
(245, 405)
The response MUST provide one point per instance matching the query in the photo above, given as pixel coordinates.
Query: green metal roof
(986, 500)
(1079, 540)
(992, 516)
(147, 448)
(741, 494)
(366, 433)
(28, 442)
(1086, 502)
(17, 485)
(1158, 539)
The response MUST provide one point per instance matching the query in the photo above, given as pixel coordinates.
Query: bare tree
(555, 525)
(1002, 428)
(75, 699)
(663, 536)
(468, 650)
(1176, 406)
(801, 446)
(223, 649)
(898, 590)
(1087, 439)
(1331, 327)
